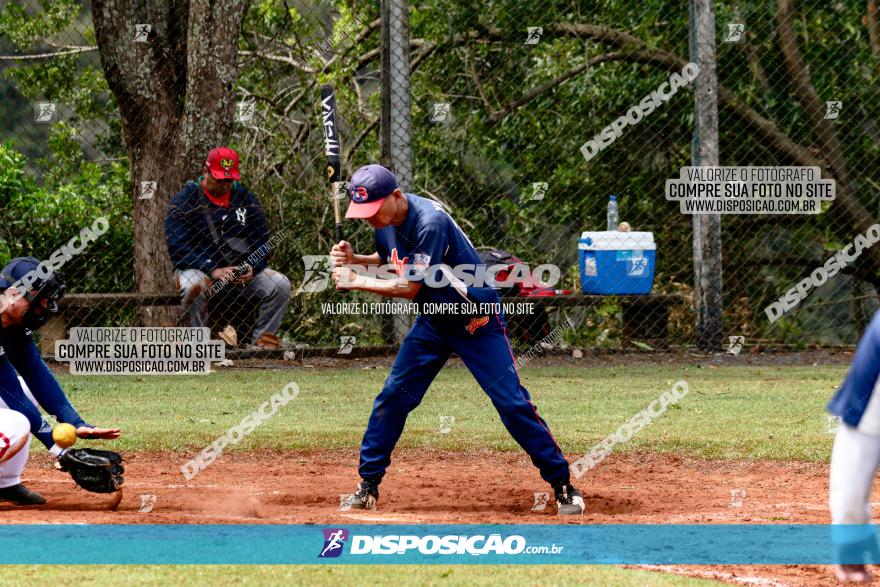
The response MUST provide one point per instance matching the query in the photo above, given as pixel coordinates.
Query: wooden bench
(645, 317)
(56, 328)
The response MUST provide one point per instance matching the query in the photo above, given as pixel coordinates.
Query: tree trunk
(847, 204)
(873, 23)
(176, 100)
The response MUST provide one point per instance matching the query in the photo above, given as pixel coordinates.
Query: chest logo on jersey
(477, 323)
(399, 264)
(241, 215)
(421, 262)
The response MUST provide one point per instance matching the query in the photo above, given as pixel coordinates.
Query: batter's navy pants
(488, 355)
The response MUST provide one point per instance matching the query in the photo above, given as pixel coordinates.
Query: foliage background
(56, 178)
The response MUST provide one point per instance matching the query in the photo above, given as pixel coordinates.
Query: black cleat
(366, 496)
(21, 495)
(569, 500)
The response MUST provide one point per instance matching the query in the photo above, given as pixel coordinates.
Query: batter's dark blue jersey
(428, 239)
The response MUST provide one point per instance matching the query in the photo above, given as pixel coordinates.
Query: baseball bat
(332, 149)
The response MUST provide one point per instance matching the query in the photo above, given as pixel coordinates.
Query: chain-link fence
(522, 119)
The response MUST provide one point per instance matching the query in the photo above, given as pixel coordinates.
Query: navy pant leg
(488, 355)
(421, 356)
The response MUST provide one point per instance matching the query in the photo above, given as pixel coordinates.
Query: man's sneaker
(569, 500)
(366, 496)
(21, 495)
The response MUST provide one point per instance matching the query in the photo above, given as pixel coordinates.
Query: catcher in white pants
(856, 453)
(15, 439)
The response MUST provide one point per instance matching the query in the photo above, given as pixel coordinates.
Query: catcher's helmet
(37, 284)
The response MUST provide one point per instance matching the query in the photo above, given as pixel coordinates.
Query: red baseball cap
(223, 163)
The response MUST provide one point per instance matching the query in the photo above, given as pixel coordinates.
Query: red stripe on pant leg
(8, 442)
(519, 385)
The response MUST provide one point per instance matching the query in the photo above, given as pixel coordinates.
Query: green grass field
(398, 575)
(729, 413)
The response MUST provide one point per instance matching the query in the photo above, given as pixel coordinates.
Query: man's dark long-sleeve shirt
(241, 228)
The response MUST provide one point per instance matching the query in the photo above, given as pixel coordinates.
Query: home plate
(382, 518)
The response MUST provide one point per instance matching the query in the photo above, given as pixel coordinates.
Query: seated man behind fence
(218, 239)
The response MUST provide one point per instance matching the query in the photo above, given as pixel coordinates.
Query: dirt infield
(428, 486)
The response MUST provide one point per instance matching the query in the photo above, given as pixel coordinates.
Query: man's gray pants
(269, 288)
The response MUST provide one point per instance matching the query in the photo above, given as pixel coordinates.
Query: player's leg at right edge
(15, 436)
(854, 461)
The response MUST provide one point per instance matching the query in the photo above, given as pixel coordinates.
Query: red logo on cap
(359, 194)
(223, 163)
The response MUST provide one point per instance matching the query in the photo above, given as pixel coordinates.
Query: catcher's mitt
(99, 471)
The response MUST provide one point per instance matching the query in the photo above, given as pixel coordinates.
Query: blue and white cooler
(613, 262)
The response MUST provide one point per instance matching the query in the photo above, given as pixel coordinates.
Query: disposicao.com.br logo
(334, 540)
(477, 545)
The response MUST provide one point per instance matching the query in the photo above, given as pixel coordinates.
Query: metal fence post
(704, 151)
(396, 126)
(396, 118)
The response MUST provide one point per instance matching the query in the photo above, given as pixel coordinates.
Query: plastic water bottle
(612, 213)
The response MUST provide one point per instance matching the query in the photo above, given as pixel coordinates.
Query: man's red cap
(223, 163)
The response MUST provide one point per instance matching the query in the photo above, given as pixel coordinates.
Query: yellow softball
(64, 435)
